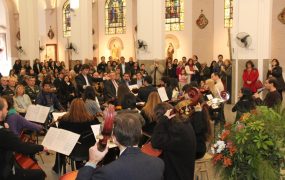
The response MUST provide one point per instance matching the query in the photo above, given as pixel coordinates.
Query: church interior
(149, 33)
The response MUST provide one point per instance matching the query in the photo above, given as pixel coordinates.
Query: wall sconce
(74, 4)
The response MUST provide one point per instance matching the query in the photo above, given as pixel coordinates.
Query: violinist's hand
(198, 108)
(6, 125)
(45, 149)
(168, 114)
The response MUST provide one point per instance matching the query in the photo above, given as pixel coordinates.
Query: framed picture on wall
(51, 51)
(3, 47)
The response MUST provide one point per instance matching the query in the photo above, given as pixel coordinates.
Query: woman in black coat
(66, 92)
(276, 71)
(177, 141)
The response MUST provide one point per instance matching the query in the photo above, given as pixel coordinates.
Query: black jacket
(145, 91)
(80, 82)
(277, 73)
(178, 144)
(131, 165)
(37, 69)
(11, 143)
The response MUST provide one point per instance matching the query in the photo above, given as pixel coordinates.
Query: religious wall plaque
(202, 21)
(281, 16)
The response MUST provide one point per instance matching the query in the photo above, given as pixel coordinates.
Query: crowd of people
(86, 89)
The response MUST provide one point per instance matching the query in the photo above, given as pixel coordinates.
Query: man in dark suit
(147, 89)
(138, 80)
(111, 87)
(124, 67)
(126, 79)
(83, 79)
(132, 163)
(77, 67)
(102, 66)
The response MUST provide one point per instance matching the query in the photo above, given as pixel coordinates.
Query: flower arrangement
(251, 148)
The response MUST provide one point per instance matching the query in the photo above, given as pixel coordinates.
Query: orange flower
(227, 162)
(225, 134)
(240, 127)
(217, 157)
(232, 150)
(245, 116)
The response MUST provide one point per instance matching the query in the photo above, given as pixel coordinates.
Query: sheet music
(162, 94)
(135, 86)
(60, 140)
(37, 113)
(96, 130)
(209, 96)
(56, 115)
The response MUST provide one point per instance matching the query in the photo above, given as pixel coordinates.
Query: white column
(81, 31)
(29, 28)
(151, 28)
(258, 25)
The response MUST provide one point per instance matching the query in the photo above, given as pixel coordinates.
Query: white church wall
(203, 38)
(220, 44)
(278, 33)
(127, 38)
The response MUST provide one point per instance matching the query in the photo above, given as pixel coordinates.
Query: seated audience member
(148, 114)
(4, 84)
(16, 122)
(126, 79)
(129, 106)
(138, 80)
(245, 103)
(66, 92)
(147, 89)
(79, 121)
(143, 71)
(58, 81)
(10, 90)
(132, 164)
(218, 82)
(200, 121)
(32, 90)
(123, 89)
(91, 104)
(21, 100)
(11, 143)
(111, 87)
(48, 98)
(77, 67)
(273, 97)
(21, 77)
(177, 141)
(83, 79)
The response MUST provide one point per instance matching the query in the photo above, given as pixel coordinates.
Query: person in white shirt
(218, 82)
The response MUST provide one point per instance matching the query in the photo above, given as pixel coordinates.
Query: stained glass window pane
(228, 13)
(66, 19)
(174, 15)
(115, 17)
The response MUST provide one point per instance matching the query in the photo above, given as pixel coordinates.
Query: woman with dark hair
(129, 106)
(200, 120)
(123, 89)
(214, 67)
(91, 102)
(276, 72)
(79, 121)
(176, 139)
(66, 92)
(17, 66)
(245, 103)
(250, 76)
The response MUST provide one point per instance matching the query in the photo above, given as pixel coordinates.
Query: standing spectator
(190, 71)
(179, 68)
(170, 71)
(124, 67)
(143, 71)
(135, 69)
(250, 76)
(17, 66)
(27, 67)
(102, 66)
(37, 67)
(226, 76)
(276, 72)
(205, 72)
(183, 79)
(77, 67)
(214, 67)
(156, 71)
(220, 61)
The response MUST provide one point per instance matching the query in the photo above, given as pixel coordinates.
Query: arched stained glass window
(66, 19)
(115, 17)
(174, 15)
(228, 14)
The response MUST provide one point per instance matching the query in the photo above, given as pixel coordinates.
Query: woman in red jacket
(250, 76)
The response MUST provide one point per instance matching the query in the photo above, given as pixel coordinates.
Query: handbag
(149, 150)
(258, 84)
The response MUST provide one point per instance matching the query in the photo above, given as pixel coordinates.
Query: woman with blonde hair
(21, 100)
(210, 85)
(148, 114)
(79, 121)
